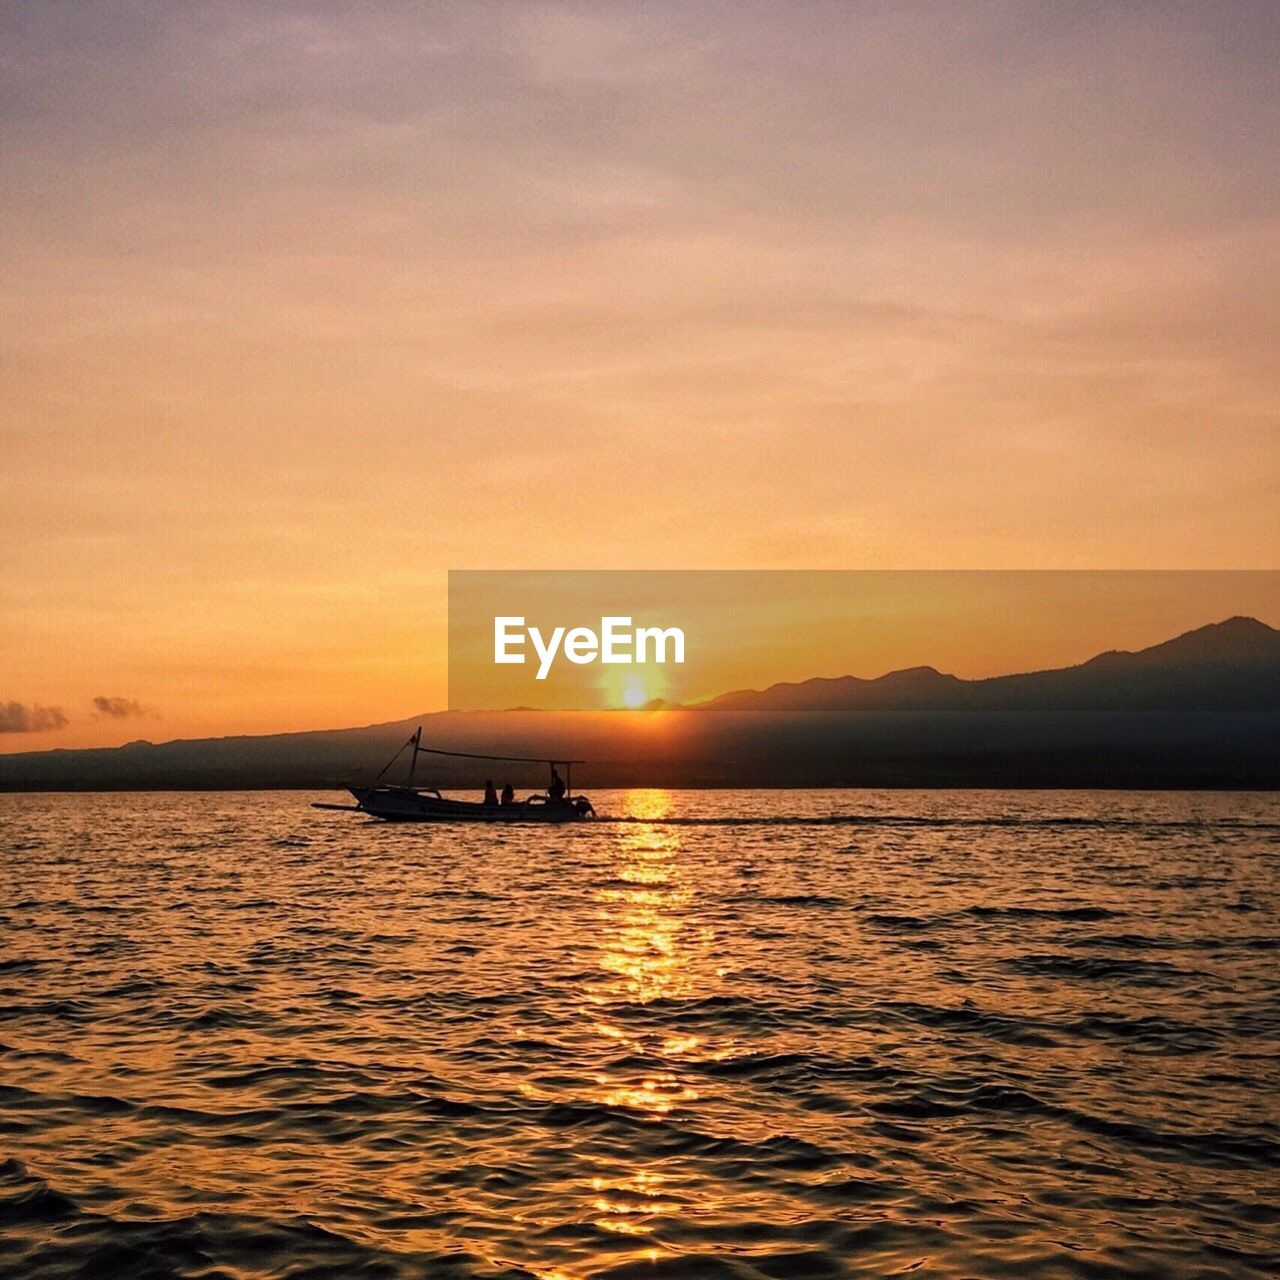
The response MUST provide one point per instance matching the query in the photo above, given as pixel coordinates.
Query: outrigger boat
(409, 803)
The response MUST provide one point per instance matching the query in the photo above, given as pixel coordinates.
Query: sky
(303, 305)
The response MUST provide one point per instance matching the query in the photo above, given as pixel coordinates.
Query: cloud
(119, 708)
(15, 717)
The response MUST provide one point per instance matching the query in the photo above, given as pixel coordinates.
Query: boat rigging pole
(482, 755)
(413, 759)
(415, 741)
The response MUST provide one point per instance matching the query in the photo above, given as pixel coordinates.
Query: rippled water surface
(783, 1035)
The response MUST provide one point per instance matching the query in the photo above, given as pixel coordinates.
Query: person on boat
(490, 795)
(556, 789)
(508, 794)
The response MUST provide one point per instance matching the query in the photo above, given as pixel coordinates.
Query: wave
(912, 821)
(1098, 968)
(204, 1243)
(1081, 913)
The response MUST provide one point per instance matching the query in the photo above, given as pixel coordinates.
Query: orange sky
(305, 304)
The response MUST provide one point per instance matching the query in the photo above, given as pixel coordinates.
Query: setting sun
(632, 688)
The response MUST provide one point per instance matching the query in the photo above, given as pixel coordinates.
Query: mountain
(1238, 643)
(1199, 710)
(833, 693)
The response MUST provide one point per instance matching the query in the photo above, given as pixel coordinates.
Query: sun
(632, 688)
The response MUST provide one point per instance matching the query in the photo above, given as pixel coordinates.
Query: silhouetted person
(508, 794)
(490, 795)
(556, 789)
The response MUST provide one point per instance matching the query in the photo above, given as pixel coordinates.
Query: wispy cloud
(17, 717)
(119, 708)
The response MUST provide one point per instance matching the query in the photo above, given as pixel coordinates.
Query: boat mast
(413, 759)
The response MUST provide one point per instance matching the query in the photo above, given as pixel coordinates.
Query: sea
(719, 1034)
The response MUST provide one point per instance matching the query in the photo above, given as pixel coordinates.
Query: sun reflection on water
(643, 908)
(651, 947)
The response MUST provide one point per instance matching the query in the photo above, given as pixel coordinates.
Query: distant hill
(1199, 710)
(1242, 644)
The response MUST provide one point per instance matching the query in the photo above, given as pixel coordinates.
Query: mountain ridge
(1199, 709)
(1265, 642)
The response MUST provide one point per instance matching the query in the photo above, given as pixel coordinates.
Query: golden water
(783, 1035)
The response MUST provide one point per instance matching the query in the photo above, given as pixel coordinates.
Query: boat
(410, 803)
